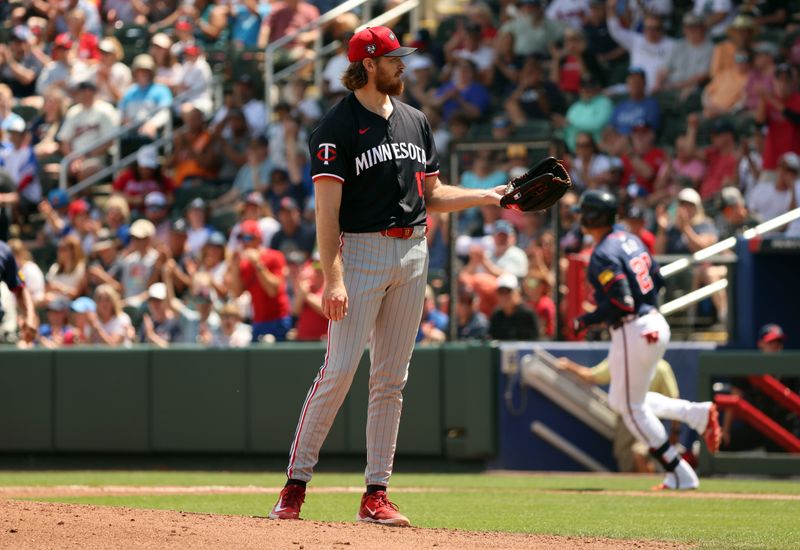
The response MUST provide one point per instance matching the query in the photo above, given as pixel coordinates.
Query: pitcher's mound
(26, 525)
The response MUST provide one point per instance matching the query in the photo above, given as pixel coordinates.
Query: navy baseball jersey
(381, 163)
(9, 274)
(625, 278)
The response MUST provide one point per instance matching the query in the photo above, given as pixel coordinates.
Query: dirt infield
(32, 525)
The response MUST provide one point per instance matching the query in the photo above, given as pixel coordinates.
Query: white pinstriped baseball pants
(385, 280)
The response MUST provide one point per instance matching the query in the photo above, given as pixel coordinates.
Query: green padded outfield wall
(196, 400)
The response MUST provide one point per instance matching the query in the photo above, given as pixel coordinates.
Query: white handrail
(694, 296)
(726, 244)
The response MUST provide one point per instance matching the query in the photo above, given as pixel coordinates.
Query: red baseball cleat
(289, 503)
(713, 433)
(376, 508)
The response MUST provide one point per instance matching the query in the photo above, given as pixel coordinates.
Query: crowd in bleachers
(688, 110)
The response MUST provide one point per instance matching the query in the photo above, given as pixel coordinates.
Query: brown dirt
(28, 525)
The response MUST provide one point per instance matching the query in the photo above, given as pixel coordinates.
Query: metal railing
(116, 137)
(321, 50)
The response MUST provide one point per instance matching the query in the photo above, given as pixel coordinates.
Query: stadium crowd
(689, 111)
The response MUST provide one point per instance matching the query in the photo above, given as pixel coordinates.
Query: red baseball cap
(250, 228)
(375, 42)
(192, 49)
(184, 25)
(770, 333)
(76, 207)
(63, 41)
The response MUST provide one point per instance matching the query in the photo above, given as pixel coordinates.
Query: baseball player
(10, 275)
(375, 169)
(626, 281)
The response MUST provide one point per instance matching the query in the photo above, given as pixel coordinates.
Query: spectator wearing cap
(589, 168)
(535, 97)
(260, 271)
(530, 30)
(87, 123)
(771, 338)
(19, 66)
(570, 63)
(735, 218)
(721, 158)
(244, 98)
(57, 332)
(112, 76)
(67, 275)
(598, 37)
(770, 199)
(779, 110)
(687, 68)
(156, 210)
(231, 139)
(7, 116)
(142, 178)
(195, 83)
(160, 324)
(472, 324)
(726, 93)
(138, 266)
(690, 230)
(103, 266)
(462, 93)
(308, 286)
(193, 156)
(81, 309)
(506, 257)
(145, 99)
(649, 50)
(83, 223)
(253, 177)
(198, 230)
(644, 161)
(467, 43)
(57, 14)
(638, 107)
(294, 239)
(18, 159)
(168, 71)
(58, 71)
(233, 333)
(741, 36)
(590, 113)
(254, 208)
(635, 221)
(513, 319)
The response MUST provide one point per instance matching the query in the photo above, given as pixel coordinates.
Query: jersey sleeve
(326, 149)
(431, 155)
(612, 291)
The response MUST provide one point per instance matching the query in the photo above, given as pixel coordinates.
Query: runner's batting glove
(538, 188)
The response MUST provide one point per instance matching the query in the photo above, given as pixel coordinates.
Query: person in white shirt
(85, 124)
(113, 77)
(472, 47)
(767, 200)
(649, 50)
(244, 98)
(18, 159)
(110, 325)
(196, 81)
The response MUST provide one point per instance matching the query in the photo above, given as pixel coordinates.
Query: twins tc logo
(326, 153)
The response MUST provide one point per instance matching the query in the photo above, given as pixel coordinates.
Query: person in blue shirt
(463, 93)
(246, 17)
(637, 108)
(144, 98)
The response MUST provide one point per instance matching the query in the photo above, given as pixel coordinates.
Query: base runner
(375, 170)
(626, 281)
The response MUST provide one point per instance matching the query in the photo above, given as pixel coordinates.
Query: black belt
(628, 318)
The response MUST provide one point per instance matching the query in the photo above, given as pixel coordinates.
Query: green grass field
(492, 502)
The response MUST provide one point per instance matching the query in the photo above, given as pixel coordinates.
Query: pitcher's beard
(389, 85)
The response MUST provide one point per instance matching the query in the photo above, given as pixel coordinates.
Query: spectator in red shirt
(261, 272)
(780, 111)
(143, 177)
(87, 43)
(308, 288)
(634, 219)
(537, 290)
(721, 158)
(645, 159)
(284, 19)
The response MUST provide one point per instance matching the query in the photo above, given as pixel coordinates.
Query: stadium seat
(135, 39)
(27, 112)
